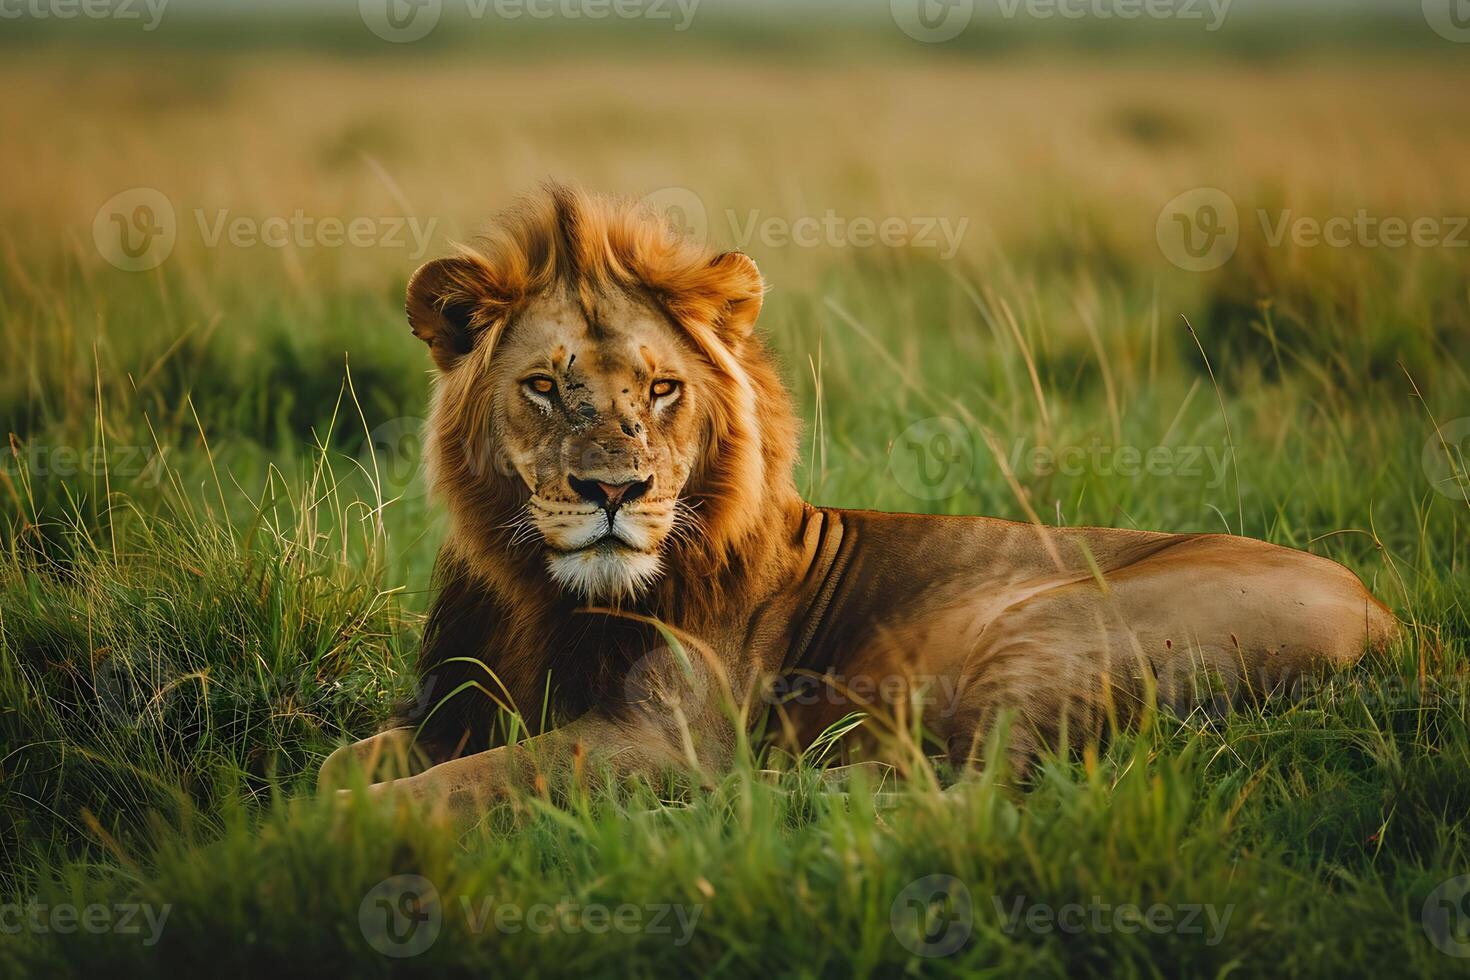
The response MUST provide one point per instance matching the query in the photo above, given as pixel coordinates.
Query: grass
(216, 547)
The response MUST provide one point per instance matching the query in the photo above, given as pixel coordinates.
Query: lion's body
(967, 620)
(1064, 626)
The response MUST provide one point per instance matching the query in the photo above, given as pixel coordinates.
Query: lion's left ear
(743, 290)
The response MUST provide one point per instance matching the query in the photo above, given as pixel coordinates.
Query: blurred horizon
(522, 29)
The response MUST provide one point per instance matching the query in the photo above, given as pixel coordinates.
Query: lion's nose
(609, 496)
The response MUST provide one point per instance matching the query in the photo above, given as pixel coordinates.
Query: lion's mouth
(608, 544)
(606, 568)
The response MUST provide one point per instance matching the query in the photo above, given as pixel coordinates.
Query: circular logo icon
(400, 21)
(135, 230)
(1450, 19)
(932, 21)
(662, 679)
(401, 916)
(683, 210)
(393, 456)
(1199, 230)
(933, 459)
(1446, 459)
(1446, 917)
(932, 916)
(133, 688)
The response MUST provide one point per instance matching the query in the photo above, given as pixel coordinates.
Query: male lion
(616, 450)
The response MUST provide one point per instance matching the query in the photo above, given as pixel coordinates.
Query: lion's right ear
(443, 297)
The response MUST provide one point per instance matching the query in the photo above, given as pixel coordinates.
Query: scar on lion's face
(600, 405)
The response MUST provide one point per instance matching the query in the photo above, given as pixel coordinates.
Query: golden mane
(567, 238)
(560, 239)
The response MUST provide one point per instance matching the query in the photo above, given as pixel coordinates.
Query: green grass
(209, 579)
(168, 696)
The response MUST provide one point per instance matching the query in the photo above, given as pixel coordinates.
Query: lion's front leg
(386, 755)
(580, 754)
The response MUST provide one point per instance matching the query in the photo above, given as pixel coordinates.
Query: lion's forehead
(611, 333)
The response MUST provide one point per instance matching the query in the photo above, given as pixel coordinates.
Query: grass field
(216, 542)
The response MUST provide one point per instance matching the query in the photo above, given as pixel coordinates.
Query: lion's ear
(441, 302)
(743, 289)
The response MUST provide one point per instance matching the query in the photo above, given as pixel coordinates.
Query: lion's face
(599, 417)
(602, 397)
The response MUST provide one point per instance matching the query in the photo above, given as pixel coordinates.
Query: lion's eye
(662, 389)
(540, 384)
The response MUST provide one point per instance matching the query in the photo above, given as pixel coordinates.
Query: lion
(628, 555)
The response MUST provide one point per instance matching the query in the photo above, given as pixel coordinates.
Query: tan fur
(968, 620)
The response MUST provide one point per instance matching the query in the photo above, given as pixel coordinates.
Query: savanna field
(1045, 281)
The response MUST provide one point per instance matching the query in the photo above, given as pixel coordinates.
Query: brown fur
(976, 618)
